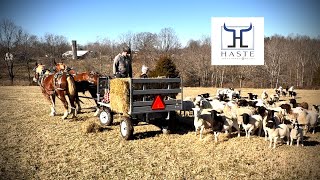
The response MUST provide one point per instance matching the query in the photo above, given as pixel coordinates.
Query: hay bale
(119, 95)
(91, 126)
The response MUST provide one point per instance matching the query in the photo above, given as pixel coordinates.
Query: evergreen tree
(165, 67)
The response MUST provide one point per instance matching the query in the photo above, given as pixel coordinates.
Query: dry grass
(36, 146)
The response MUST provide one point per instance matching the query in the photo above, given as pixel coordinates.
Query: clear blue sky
(90, 20)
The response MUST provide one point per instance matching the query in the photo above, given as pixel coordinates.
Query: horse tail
(72, 91)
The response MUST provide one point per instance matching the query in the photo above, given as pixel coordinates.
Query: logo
(237, 41)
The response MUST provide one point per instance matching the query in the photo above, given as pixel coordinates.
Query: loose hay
(119, 95)
(91, 126)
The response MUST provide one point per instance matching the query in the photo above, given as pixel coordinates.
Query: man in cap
(122, 67)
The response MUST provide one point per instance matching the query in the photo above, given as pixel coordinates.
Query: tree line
(293, 60)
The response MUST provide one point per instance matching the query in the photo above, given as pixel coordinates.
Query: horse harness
(57, 81)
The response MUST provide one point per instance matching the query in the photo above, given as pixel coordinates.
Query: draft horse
(85, 81)
(56, 84)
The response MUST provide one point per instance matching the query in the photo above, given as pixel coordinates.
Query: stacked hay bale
(119, 95)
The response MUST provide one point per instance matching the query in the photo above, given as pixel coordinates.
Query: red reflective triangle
(158, 104)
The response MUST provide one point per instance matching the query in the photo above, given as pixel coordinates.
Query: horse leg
(77, 100)
(72, 101)
(64, 101)
(51, 100)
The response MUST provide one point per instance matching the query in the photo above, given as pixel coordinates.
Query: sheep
(242, 102)
(217, 124)
(241, 110)
(316, 108)
(200, 122)
(253, 103)
(294, 94)
(294, 103)
(234, 112)
(275, 132)
(209, 104)
(299, 114)
(312, 119)
(270, 115)
(304, 105)
(286, 107)
(290, 91)
(204, 121)
(230, 119)
(229, 93)
(252, 96)
(260, 103)
(274, 97)
(264, 95)
(236, 94)
(284, 93)
(296, 133)
(251, 123)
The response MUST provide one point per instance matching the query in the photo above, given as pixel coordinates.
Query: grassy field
(36, 146)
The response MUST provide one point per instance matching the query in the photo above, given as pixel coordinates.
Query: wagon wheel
(126, 128)
(106, 117)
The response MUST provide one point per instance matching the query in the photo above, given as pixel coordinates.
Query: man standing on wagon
(122, 64)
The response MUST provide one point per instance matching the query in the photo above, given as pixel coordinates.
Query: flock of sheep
(268, 114)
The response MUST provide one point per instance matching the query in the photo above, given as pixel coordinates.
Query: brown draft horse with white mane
(56, 84)
(85, 81)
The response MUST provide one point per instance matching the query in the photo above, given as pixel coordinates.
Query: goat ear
(54, 62)
(36, 63)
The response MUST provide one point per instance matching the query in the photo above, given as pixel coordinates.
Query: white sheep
(201, 121)
(270, 115)
(312, 120)
(275, 132)
(251, 123)
(264, 95)
(296, 133)
(274, 97)
(301, 115)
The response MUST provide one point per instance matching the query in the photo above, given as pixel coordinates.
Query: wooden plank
(156, 80)
(149, 103)
(147, 109)
(156, 91)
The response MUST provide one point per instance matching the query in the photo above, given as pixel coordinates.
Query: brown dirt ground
(36, 146)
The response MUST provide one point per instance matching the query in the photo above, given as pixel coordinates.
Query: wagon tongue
(158, 103)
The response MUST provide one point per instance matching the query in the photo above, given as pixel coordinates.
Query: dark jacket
(122, 66)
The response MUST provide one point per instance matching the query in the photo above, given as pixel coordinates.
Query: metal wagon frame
(143, 109)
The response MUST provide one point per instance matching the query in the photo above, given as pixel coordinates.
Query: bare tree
(9, 38)
(168, 40)
(55, 46)
(145, 44)
(26, 50)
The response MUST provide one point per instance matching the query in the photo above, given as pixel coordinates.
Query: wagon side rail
(169, 92)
